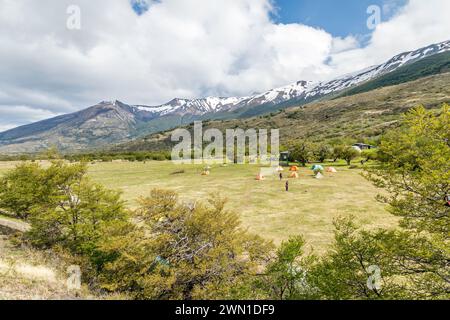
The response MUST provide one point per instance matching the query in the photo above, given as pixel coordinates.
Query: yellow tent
(205, 173)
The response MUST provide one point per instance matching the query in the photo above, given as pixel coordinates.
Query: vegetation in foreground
(168, 249)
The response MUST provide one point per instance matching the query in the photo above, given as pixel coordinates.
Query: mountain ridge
(361, 117)
(114, 122)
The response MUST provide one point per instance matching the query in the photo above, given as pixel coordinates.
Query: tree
(359, 266)
(411, 262)
(302, 152)
(338, 151)
(76, 217)
(369, 155)
(21, 189)
(285, 276)
(349, 154)
(415, 169)
(186, 251)
(62, 205)
(322, 152)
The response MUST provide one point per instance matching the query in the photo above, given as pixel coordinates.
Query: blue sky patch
(340, 18)
(140, 6)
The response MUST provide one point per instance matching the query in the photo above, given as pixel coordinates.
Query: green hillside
(436, 64)
(361, 117)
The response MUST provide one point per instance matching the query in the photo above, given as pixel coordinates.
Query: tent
(319, 176)
(293, 168)
(293, 175)
(280, 168)
(205, 173)
(260, 177)
(331, 170)
(317, 167)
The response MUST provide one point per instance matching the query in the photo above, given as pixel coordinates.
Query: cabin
(284, 158)
(364, 146)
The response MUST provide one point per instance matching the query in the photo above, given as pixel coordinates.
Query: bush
(63, 206)
(183, 251)
(21, 189)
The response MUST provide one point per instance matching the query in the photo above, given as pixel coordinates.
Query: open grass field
(265, 208)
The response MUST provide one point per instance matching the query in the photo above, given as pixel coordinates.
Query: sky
(340, 18)
(60, 56)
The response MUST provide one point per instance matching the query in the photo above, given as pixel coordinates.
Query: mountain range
(114, 122)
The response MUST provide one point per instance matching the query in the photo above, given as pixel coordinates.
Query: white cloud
(178, 48)
(417, 24)
(21, 114)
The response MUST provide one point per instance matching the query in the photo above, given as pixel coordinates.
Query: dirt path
(14, 225)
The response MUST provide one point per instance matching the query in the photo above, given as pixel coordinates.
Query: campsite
(309, 207)
(250, 150)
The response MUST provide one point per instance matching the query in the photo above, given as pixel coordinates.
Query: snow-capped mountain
(301, 91)
(220, 104)
(354, 79)
(111, 122)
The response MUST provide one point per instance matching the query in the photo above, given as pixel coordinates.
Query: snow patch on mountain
(305, 90)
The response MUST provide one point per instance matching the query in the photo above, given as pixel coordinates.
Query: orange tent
(293, 175)
(293, 168)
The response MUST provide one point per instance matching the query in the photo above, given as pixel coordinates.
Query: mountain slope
(436, 64)
(115, 122)
(362, 116)
(96, 126)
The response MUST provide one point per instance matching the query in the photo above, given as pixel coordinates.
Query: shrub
(184, 251)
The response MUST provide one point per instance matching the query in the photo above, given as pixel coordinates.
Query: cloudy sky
(148, 51)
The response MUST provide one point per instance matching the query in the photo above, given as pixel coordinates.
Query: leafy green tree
(185, 251)
(415, 169)
(285, 276)
(349, 154)
(338, 151)
(345, 272)
(302, 152)
(63, 206)
(323, 152)
(21, 189)
(76, 217)
(369, 155)
(413, 261)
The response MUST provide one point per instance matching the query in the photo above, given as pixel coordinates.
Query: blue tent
(317, 167)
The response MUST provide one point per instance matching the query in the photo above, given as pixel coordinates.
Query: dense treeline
(170, 249)
(95, 156)
(302, 152)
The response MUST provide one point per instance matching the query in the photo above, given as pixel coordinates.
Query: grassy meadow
(265, 208)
